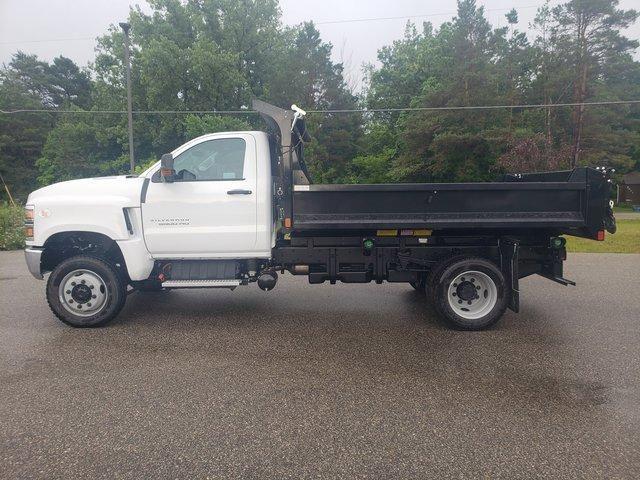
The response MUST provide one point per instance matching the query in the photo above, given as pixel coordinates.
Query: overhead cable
(327, 111)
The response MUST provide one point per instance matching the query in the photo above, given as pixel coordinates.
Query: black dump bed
(574, 202)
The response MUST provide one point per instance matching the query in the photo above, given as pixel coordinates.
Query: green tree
(21, 139)
(80, 147)
(56, 84)
(218, 55)
(28, 83)
(200, 125)
(590, 31)
(466, 62)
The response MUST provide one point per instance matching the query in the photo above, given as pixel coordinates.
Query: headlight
(29, 214)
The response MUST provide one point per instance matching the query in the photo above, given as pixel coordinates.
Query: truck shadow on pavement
(161, 308)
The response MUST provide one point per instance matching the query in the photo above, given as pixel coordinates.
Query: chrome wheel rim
(83, 293)
(472, 294)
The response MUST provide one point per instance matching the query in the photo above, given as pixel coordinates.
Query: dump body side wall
(575, 206)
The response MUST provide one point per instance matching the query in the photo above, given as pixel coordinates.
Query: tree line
(219, 54)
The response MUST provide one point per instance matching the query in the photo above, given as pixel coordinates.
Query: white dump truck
(231, 209)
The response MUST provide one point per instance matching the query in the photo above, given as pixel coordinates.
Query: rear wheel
(85, 291)
(470, 293)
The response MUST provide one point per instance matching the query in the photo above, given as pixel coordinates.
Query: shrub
(11, 227)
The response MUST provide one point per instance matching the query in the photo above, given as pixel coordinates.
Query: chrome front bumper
(32, 256)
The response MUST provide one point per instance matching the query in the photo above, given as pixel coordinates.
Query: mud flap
(509, 250)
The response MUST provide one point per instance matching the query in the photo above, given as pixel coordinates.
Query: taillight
(29, 215)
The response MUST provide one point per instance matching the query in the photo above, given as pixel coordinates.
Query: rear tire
(470, 293)
(85, 291)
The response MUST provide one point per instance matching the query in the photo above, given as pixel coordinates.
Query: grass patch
(11, 227)
(625, 240)
(622, 208)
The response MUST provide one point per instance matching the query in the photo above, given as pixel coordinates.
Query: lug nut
(79, 306)
(459, 301)
(88, 304)
(82, 281)
(73, 284)
(71, 300)
(454, 294)
(93, 296)
(68, 292)
(91, 287)
(455, 285)
(473, 280)
(469, 302)
(477, 287)
(462, 279)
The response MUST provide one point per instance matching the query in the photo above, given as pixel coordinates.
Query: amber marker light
(29, 215)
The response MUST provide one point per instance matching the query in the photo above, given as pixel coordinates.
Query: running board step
(230, 283)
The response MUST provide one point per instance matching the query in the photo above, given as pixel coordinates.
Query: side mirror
(167, 173)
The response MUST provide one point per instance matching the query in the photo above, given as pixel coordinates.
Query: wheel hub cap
(466, 291)
(83, 293)
(472, 294)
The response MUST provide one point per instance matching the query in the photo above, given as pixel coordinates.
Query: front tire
(85, 291)
(470, 293)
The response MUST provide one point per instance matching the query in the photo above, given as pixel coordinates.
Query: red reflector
(600, 235)
(287, 223)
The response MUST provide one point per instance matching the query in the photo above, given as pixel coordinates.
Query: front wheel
(85, 291)
(471, 293)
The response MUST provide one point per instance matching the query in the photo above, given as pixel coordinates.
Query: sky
(50, 28)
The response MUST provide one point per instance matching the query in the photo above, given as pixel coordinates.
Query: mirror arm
(167, 172)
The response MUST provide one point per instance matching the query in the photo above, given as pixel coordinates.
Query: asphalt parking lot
(325, 381)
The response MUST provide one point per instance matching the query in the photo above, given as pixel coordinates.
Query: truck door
(211, 208)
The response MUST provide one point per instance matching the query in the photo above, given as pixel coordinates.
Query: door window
(220, 159)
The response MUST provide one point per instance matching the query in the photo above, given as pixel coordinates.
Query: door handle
(239, 192)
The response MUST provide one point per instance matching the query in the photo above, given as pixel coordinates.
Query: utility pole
(127, 58)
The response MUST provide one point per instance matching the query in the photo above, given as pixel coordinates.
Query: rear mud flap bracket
(560, 280)
(509, 250)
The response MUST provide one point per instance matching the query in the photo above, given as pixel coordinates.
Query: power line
(136, 112)
(443, 14)
(478, 107)
(328, 111)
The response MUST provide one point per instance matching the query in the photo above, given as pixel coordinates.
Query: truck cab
(219, 203)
